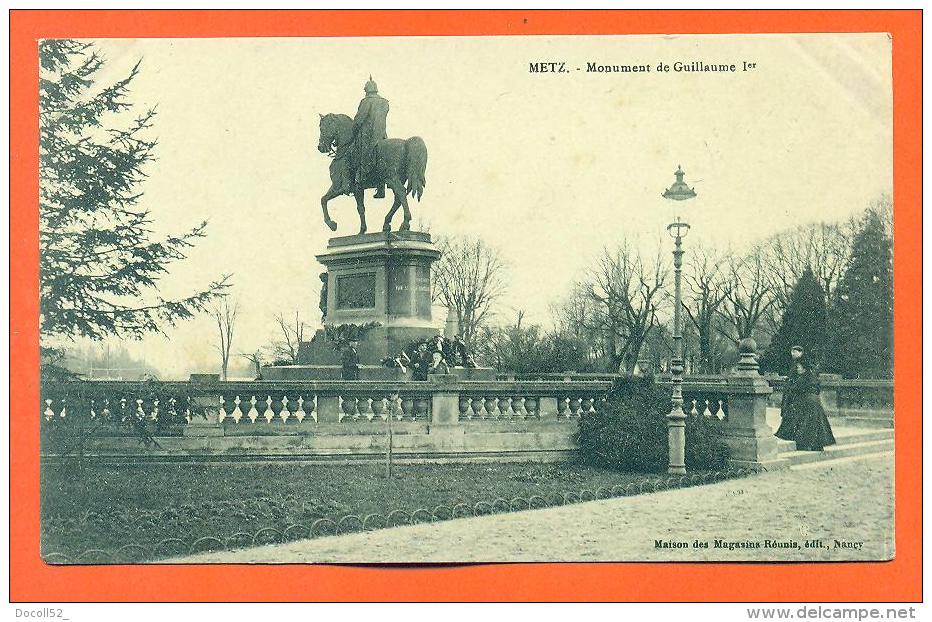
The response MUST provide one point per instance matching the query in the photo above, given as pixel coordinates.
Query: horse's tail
(416, 166)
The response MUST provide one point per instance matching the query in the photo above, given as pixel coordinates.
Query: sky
(547, 167)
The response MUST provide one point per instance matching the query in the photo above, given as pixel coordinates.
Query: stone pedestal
(377, 277)
(445, 405)
(750, 439)
(205, 402)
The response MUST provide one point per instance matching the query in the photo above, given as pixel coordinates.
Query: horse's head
(328, 134)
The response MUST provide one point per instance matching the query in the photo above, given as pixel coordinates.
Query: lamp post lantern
(676, 419)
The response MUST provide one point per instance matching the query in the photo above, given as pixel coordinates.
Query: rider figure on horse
(368, 129)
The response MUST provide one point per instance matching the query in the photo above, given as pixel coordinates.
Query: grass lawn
(107, 508)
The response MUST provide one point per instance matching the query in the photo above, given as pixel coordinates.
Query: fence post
(750, 439)
(205, 397)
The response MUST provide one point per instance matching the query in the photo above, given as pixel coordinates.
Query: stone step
(866, 413)
(886, 454)
(861, 422)
(845, 436)
(841, 450)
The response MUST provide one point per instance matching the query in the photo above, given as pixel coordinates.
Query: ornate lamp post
(676, 420)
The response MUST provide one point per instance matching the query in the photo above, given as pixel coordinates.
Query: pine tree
(804, 324)
(863, 311)
(99, 264)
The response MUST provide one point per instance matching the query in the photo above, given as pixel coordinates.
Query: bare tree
(468, 279)
(578, 316)
(256, 359)
(629, 292)
(706, 291)
(748, 297)
(224, 313)
(823, 247)
(291, 336)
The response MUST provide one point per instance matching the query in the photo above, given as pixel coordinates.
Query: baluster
(313, 404)
(518, 407)
(377, 406)
(563, 409)
(348, 408)
(530, 407)
(122, 409)
(253, 414)
(504, 408)
(465, 410)
(49, 413)
(407, 407)
(574, 403)
(222, 413)
(269, 414)
(491, 407)
(477, 407)
(721, 410)
(299, 414)
(284, 413)
(187, 408)
(155, 410)
(237, 412)
(586, 406)
(93, 411)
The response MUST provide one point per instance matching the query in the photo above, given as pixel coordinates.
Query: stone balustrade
(843, 397)
(446, 416)
(116, 402)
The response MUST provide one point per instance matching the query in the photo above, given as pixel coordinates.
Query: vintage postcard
(466, 299)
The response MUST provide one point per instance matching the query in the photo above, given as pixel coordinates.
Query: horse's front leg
(361, 208)
(333, 192)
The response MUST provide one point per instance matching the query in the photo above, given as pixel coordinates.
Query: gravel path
(847, 505)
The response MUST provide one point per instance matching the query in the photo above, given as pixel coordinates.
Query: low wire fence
(173, 547)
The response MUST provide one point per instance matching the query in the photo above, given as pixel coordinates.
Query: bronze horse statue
(396, 163)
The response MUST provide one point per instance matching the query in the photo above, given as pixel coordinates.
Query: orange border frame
(32, 580)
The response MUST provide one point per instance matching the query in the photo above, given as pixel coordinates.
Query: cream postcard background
(547, 167)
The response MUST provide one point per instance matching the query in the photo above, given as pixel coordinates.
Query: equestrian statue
(364, 157)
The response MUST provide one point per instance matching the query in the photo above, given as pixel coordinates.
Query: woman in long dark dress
(803, 418)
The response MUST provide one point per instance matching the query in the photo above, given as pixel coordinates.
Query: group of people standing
(432, 356)
(803, 418)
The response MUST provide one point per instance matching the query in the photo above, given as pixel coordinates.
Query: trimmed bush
(629, 432)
